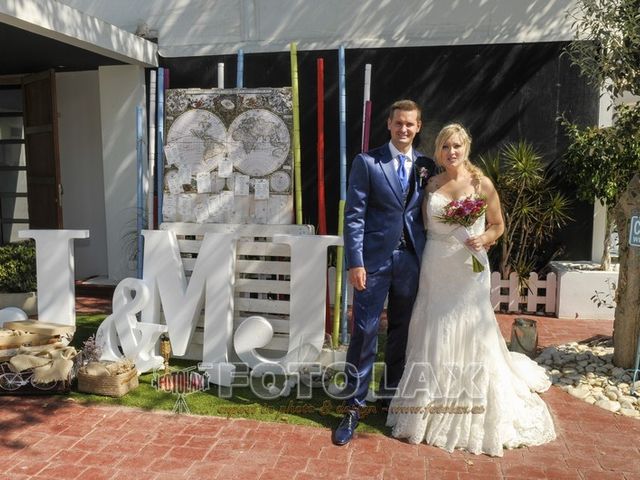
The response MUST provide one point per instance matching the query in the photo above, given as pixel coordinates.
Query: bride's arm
(493, 215)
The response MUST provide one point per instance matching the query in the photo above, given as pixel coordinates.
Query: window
(14, 214)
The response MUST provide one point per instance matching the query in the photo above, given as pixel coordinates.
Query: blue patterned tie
(402, 172)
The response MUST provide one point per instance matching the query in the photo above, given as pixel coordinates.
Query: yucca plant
(533, 209)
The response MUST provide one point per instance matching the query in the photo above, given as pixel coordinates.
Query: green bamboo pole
(337, 301)
(297, 173)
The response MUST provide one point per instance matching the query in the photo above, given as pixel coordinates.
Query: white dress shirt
(408, 159)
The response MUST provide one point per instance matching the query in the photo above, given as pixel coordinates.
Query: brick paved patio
(50, 437)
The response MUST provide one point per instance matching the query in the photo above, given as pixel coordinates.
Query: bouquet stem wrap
(479, 258)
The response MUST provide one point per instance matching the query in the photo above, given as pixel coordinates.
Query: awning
(62, 23)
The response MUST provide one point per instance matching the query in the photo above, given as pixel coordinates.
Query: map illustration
(258, 142)
(201, 139)
(228, 156)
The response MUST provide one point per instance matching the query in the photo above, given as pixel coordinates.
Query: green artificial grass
(314, 408)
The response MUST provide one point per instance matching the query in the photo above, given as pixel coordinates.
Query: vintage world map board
(228, 156)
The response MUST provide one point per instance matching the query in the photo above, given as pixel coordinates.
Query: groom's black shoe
(344, 432)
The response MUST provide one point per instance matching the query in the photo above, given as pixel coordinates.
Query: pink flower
(464, 212)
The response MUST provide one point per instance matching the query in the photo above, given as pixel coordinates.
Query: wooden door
(44, 190)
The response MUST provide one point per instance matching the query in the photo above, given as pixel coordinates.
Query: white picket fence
(506, 292)
(540, 296)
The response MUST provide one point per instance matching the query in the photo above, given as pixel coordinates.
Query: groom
(384, 237)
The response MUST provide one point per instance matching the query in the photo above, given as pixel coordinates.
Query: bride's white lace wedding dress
(461, 387)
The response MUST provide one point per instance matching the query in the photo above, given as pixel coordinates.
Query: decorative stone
(580, 392)
(608, 405)
(617, 372)
(611, 395)
(599, 396)
(587, 373)
(630, 412)
(628, 399)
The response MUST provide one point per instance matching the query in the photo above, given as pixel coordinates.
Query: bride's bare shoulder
(486, 185)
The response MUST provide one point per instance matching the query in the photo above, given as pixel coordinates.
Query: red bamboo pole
(322, 211)
(367, 126)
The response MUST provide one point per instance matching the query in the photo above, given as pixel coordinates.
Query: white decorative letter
(307, 308)
(137, 339)
(54, 264)
(213, 273)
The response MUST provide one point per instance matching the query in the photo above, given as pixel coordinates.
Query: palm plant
(532, 207)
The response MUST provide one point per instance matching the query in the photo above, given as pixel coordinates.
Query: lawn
(307, 406)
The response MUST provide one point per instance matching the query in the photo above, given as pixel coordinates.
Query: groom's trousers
(396, 280)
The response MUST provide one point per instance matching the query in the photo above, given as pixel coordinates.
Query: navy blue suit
(377, 213)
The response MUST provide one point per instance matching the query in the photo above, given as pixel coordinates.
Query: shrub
(18, 267)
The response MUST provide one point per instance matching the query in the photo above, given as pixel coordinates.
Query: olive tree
(607, 50)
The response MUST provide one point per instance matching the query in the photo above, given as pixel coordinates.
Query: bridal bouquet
(464, 213)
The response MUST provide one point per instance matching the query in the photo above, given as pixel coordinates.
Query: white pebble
(608, 405)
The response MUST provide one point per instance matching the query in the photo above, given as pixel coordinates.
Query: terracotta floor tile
(323, 466)
(525, 471)
(562, 473)
(400, 473)
(453, 465)
(370, 470)
(600, 475)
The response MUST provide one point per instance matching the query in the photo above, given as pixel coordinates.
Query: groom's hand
(358, 278)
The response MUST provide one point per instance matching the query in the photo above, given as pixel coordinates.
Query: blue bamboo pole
(140, 189)
(240, 71)
(160, 138)
(343, 181)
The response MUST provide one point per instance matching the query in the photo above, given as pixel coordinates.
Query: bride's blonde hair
(445, 134)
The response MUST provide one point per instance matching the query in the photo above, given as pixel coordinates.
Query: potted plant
(18, 276)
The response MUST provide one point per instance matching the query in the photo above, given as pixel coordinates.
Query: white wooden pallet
(262, 276)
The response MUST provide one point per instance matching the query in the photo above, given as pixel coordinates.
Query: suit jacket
(375, 212)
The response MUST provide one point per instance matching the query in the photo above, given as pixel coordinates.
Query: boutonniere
(424, 169)
(423, 175)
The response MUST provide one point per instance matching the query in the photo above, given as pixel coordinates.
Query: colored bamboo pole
(322, 211)
(220, 75)
(366, 98)
(240, 71)
(160, 139)
(322, 214)
(140, 188)
(296, 133)
(339, 320)
(367, 126)
(152, 149)
(336, 334)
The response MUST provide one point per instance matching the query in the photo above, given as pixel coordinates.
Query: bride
(461, 387)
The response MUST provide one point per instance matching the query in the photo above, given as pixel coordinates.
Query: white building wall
(80, 143)
(203, 27)
(121, 91)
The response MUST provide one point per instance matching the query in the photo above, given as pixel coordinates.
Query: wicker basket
(108, 385)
